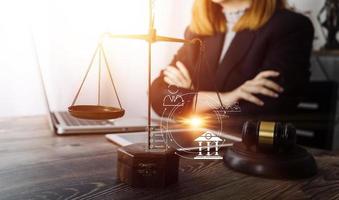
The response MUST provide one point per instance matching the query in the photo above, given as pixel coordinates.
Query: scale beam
(151, 38)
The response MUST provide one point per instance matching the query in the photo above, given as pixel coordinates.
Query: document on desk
(180, 139)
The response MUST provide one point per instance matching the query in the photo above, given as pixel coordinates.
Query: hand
(178, 76)
(259, 85)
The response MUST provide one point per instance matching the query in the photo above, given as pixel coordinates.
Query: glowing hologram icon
(158, 142)
(234, 108)
(208, 138)
(173, 99)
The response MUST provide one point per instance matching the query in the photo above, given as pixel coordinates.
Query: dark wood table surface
(36, 164)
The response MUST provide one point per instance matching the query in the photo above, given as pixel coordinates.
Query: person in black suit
(256, 53)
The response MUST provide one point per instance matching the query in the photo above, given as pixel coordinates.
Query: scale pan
(95, 112)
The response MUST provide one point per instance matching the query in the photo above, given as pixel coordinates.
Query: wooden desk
(36, 164)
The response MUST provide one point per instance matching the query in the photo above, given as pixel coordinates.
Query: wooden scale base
(140, 167)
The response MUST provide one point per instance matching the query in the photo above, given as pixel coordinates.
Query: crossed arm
(261, 84)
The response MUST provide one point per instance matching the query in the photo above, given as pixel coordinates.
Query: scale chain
(110, 75)
(99, 77)
(86, 74)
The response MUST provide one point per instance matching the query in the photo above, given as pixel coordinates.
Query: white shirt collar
(232, 17)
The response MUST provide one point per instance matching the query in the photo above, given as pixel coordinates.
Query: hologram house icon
(211, 140)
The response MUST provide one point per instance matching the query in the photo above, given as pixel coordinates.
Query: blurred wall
(66, 33)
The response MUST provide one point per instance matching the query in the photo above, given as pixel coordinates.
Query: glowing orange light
(194, 121)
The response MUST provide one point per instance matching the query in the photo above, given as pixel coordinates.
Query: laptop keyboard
(72, 121)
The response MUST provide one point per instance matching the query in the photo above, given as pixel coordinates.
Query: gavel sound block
(269, 149)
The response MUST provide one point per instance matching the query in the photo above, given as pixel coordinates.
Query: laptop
(62, 123)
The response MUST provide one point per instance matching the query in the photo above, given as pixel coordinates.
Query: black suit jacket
(283, 44)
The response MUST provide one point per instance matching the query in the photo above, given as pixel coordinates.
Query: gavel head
(269, 136)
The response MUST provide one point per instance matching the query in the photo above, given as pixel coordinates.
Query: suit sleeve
(288, 52)
(187, 54)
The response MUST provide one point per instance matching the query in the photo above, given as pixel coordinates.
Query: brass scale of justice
(101, 112)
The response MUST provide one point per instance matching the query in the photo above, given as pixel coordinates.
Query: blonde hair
(209, 19)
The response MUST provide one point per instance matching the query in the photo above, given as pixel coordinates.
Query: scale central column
(149, 117)
(151, 37)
